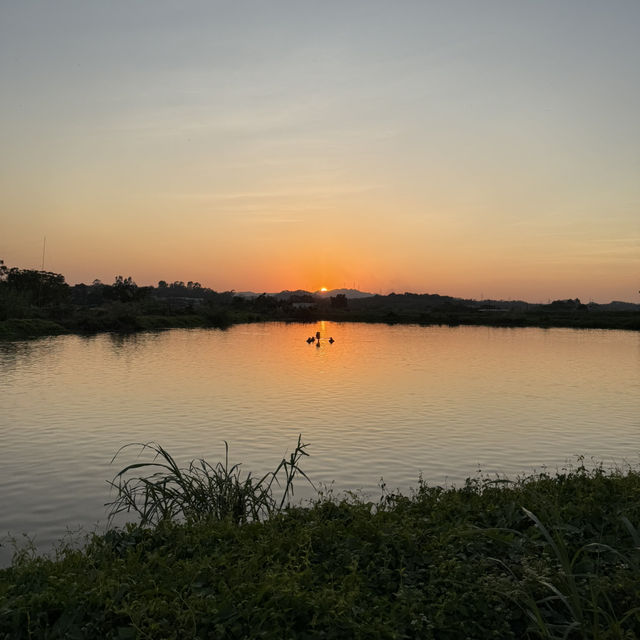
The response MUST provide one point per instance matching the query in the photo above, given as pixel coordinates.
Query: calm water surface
(382, 401)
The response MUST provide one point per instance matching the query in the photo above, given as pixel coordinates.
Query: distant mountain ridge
(349, 293)
(432, 299)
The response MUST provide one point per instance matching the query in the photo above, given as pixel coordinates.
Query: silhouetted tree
(264, 303)
(95, 295)
(339, 301)
(301, 298)
(37, 287)
(123, 289)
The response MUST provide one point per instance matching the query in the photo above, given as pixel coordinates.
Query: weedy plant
(201, 491)
(576, 599)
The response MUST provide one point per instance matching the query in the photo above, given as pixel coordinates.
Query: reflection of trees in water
(9, 354)
(125, 343)
(24, 351)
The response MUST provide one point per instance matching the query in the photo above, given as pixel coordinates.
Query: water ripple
(382, 402)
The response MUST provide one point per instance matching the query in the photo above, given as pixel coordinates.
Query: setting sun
(323, 289)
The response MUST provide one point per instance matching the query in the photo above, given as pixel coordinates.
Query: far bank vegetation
(34, 303)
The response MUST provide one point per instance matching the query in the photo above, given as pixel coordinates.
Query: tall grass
(201, 491)
(574, 601)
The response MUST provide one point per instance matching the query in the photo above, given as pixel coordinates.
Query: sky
(476, 149)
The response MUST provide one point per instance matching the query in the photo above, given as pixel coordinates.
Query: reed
(572, 596)
(201, 491)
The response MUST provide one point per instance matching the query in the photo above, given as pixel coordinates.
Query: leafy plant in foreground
(201, 491)
(576, 599)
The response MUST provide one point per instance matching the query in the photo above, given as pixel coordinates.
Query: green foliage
(22, 329)
(542, 557)
(575, 600)
(201, 491)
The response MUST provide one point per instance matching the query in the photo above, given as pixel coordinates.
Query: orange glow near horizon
(347, 262)
(299, 150)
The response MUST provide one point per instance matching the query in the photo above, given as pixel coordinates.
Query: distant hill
(618, 305)
(407, 300)
(286, 294)
(349, 293)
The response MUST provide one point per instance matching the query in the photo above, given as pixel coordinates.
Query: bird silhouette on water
(316, 339)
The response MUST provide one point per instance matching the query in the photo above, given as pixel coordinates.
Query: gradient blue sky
(468, 148)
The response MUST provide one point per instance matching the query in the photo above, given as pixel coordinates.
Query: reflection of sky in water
(381, 401)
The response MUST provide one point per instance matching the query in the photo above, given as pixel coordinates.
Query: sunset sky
(457, 147)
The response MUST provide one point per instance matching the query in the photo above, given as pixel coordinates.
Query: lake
(388, 402)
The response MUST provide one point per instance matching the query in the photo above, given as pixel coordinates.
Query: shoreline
(493, 558)
(15, 329)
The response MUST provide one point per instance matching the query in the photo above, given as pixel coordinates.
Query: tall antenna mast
(44, 246)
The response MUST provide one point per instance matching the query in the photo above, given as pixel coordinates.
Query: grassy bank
(622, 320)
(544, 557)
(119, 322)
(128, 320)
